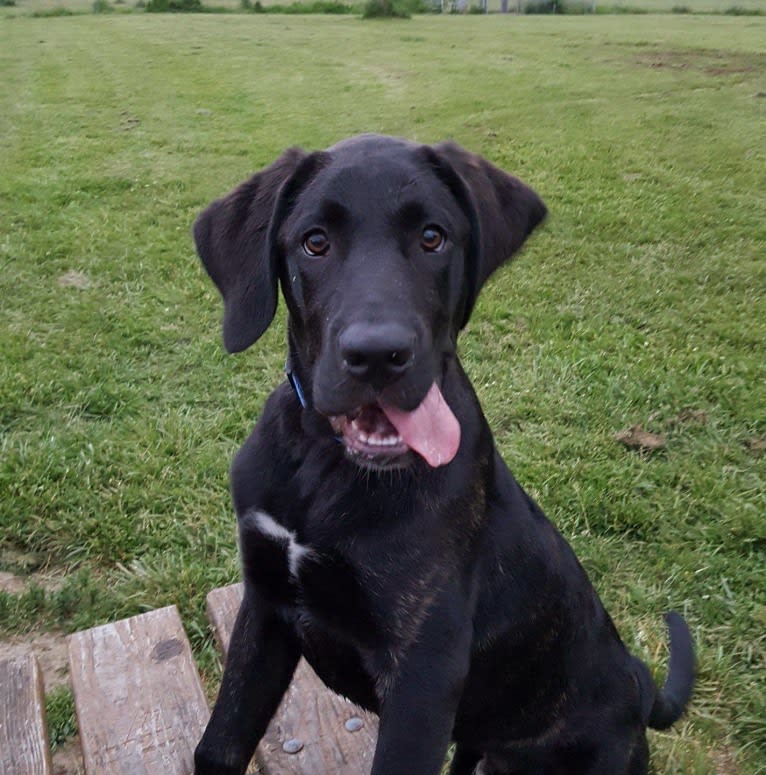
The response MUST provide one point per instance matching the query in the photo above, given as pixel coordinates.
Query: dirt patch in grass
(15, 585)
(725, 762)
(49, 647)
(638, 438)
(709, 61)
(74, 279)
(689, 416)
(67, 758)
(50, 650)
(11, 583)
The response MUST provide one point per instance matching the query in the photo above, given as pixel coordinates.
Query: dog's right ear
(231, 236)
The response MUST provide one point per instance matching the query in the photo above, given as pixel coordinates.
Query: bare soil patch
(74, 279)
(67, 758)
(638, 438)
(50, 650)
(709, 61)
(11, 583)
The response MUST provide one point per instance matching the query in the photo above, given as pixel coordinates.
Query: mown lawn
(42, 7)
(641, 302)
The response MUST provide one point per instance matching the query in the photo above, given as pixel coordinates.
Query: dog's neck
(295, 383)
(295, 370)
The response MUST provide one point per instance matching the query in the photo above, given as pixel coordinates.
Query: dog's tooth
(363, 437)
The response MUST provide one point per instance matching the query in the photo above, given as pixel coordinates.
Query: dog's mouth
(382, 436)
(369, 437)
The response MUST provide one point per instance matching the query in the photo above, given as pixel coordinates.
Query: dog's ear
(502, 210)
(231, 236)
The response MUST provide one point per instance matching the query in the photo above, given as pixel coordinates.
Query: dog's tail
(663, 707)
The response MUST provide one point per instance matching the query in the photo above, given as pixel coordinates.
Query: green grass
(645, 6)
(696, 6)
(642, 297)
(46, 8)
(59, 707)
(69, 7)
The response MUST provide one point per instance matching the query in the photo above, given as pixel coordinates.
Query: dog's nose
(377, 354)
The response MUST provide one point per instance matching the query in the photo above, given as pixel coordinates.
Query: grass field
(641, 302)
(31, 7)
(696, 6)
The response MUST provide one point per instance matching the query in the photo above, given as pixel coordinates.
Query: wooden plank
(139, 701)
(222, 609)
(310, 714)
(23, 729)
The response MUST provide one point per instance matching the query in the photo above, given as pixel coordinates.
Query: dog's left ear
(502, 210)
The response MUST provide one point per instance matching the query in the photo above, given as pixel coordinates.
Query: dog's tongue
(431, 429)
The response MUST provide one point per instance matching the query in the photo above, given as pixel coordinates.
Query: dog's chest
(366, 591)
(273, 556)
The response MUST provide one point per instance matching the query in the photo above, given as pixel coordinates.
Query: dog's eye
(316, 243)
(432, 239)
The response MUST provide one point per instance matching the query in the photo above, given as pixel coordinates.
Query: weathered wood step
(310, 714)
(23, 730)
(138, 696)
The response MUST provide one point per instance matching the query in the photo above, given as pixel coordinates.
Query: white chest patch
(269, 527)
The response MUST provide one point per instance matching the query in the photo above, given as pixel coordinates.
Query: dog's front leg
(418, 709)
(262, 656)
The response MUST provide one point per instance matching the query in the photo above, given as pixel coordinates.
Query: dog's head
(381, 247)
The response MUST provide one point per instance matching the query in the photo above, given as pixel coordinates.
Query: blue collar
(296, 385)
(292, 378)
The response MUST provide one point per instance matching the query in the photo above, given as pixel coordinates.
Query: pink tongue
(431, 429)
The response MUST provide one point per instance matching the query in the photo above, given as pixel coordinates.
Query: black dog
(381, 534)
